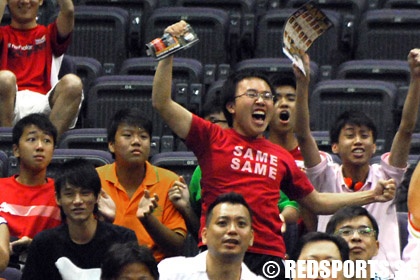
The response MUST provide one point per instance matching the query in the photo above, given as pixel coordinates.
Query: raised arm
(177, 117)
(414, 197)
(65, 19)
(307, 144)
(401, 144)
(329, 203)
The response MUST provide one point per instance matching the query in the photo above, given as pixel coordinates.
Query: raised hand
(147, 205)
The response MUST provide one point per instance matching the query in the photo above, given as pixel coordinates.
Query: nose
(39, 145)
(355, 235)
(136, 139)
(232, 229)
(77, 198)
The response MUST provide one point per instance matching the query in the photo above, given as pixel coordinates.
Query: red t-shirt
(255, 168)
(28, 210)
(29, 54)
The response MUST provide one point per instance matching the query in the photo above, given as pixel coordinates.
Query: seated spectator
(227, 235)
(31, 56)
(353, 138)
(76, 248)
(27, 199)
(129, 261)
(139, 189)
(321, 246)
(360, 230)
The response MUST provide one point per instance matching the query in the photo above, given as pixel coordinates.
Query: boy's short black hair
(232, 198)
(283, 79)
(228, 91)
(348, 213)
(129, 116)
(352, 117)
(39, 120)
(79, 173)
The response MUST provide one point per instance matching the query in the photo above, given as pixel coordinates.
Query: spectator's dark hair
(232, 198)
(228, 91)
(39, 120)
(348, 213)
(129, 116)
(79, 173)
(212, 106)
(312, 237)
(283, 79)
(352, 117)
(122, 254)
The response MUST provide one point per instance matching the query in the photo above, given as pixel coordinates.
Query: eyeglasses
(362, 231)
(252, 93)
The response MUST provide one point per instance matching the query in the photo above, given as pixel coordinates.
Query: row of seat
(112, 33)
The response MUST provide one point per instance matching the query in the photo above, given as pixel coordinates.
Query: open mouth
(259, 115)
(284, 115)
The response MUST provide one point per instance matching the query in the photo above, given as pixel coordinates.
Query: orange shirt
(157, 180)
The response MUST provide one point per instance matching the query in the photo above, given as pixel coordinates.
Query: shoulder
(105, 168)
(117, 232)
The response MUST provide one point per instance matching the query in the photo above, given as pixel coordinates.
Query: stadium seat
(328, 50)
(101, 32)
(182, 163)
(395, 71)
(187, 77)
(242, 15)
(138, 10)
(108, 94)
(382, 31)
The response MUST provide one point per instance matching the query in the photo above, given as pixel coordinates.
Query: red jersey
(29, 54)
(253, 167)
(28, 210)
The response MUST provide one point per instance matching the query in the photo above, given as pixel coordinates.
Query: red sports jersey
(29, 54)
(255, 168)
(28, 210)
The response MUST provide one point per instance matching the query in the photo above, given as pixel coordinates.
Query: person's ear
(334, 148)
(204, 235)
(15, 149)
(230, 106)
(251, 241)
(111, 147)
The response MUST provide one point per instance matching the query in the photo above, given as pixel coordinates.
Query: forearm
(192, 221)
(65, 19)
(162, 85)
(329, 203)
(307, 144)
(170, 242)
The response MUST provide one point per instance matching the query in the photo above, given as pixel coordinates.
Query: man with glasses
(240, 159)
(360, 229)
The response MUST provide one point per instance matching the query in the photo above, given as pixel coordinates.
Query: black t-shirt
(50, 245)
